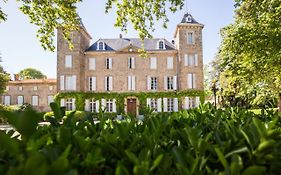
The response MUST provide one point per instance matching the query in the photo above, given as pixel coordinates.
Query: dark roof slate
(121, 43)
(191, 21)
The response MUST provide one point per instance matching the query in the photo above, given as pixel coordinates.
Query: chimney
(120, 35)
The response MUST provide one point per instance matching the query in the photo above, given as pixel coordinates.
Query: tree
(52, 14)
(31, 73)
(251, 46)
(4, 78)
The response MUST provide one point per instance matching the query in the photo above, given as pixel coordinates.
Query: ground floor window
(35, 100)
(69, 104)
(20, 100)
(7, 100)
(109, 105)
(191, 102)
(94, 105)
(170, 104)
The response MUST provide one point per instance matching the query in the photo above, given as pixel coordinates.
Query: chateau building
(111, 70)
(111, 76)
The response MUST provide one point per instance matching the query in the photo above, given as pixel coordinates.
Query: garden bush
(199, 141)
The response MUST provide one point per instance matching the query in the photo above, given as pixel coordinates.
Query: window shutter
(175, 84)
(105, 83)
(68, 61)
(129, 83)
(62, 102)
(94, 83)
(97, 106)
(133, 83)
(189, 81)
(194, 80)
(103, 104)
(176, 105)
(110, 63)
(196, 59)
(73, 83)
(186, 60)
(110, 83)
(165, 83)
(73, 104)
(148, 102)
(165, 104)
(191, 60)
(87, 105)
(186, 103)
(92, 64)
(159, 105)
(114, 105)
(197, 99)
(153, 63)
(148, 83)
(169, 62)
(133, 63)
(62, 82)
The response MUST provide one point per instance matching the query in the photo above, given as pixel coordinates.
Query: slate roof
(120, 43)
(192, 20)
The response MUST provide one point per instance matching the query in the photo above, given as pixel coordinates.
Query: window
(170, 105)
(68, 61)
(188, 18)
(161, 45)
(62, 82)
(51, 88)
(92, 64)
(108, 83)
(92, 83)
(20, 88)
(131, 83)
(108, 63)
(7, 100)
(35, 88)
(191, 81)
(169, 62)
(101, 46)
(70, 82)
(34, 100)
(131, 63)
(191, 102)
(153, 83)
(190, 38)
(170, 82)
(155, 104)
(93, 105)
(153, 63)
(109, 105)
(191, 60)
(7, 88)
(50, 99)
(69, 104)
(20, 100)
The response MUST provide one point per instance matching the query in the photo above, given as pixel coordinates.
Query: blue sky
(20, 48)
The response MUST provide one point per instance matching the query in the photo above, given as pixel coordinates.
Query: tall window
(153, 63)
(191, 60)
(131, 63)
(170, 83)
(153, 104)
(161, 45)
(131, 83)
(68, 61)
(92, 83)
(108, 63)
(92, 64)
(50, 99)
(70, 82)
(93, 105)
(7, 100)
(35, 100)
(108, 83)
(101, 46)
(190, 38)
(191, 81)
(20, 100)
(69, 104)
(170, 63)
(153, 83)
(109, 105)
(170, 104)
(20, 88)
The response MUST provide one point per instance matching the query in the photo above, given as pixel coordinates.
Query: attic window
(188, 18)
(161, 45)
(100, 46)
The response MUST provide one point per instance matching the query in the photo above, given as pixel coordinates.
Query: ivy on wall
(120, 97)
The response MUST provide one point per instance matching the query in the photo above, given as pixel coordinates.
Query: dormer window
(161, 45)
(188, 18)
(101, 46)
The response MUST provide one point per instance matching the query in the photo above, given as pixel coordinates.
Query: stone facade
(38, 93)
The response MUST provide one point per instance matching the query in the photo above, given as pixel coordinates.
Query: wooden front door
(132, 106)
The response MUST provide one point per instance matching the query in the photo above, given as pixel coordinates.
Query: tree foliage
(52, 14)
(250, 52)
(4, 78)
(31, 73)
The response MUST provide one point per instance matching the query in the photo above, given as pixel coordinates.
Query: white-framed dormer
(100, 45)
(161, 45)
(188, 18)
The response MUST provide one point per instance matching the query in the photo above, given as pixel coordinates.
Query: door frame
(137, 104)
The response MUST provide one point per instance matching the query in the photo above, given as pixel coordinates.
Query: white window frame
(20, 99)
(92, 63)
(70, 82)
(153, 83)
(108, 83)
(68, 61)
(7, 100)
(108, 63)
(153, 63)
(131, 83)
(98, 45)
(35, 88)
(191, 80)
(70, 104)
(20, 88)
(35, 100)
(50, 99)
(170, 104)
(131, 63)
(170, 62)
(92, 82)
(159, 45)
(190, 38)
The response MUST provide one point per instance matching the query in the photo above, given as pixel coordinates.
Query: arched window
(161, 45)
(100, 45)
